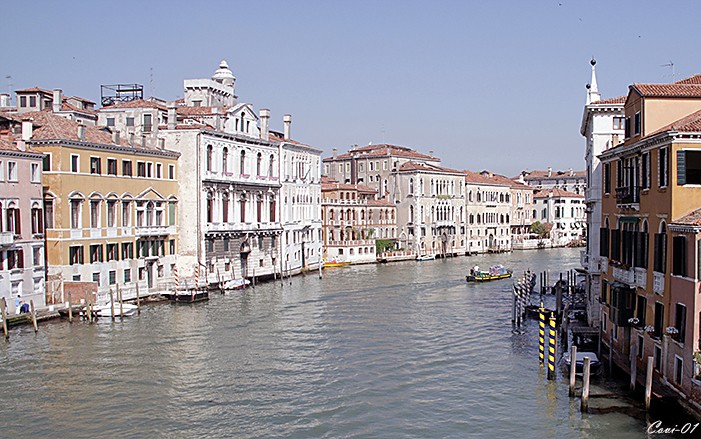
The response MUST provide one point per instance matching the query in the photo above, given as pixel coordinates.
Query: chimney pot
(27, 130)
(115, 137)
(81, 132)
(58, 98)
(550, 171)
(287, 121)
(172, 116)
(264, 124)
(334, 153)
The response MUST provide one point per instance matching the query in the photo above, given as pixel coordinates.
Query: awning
(629, 219)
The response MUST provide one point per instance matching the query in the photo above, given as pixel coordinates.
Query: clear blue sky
(494, 85)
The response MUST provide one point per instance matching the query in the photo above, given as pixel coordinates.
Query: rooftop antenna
(151, 86)
(671, 65)
(9, 86)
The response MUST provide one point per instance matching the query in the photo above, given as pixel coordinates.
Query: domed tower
(216, 91)
(225, 76)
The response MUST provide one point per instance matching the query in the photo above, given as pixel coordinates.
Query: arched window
(270, 165)
(411, 185)
(224, 157)
(209, 158)
(225, 208)
(259, 160)
(243, 163)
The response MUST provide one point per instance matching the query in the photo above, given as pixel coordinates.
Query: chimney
(161, 143)
(81, 132)
(131, 139)
(287, 121)
(430, 152)
(550, 171)
(172, 116)
(4, 100)
(115, 137)
(264, 123)
(571, 173)
(334, 153)
(143, 140)
(27, 130)
(215, 112)
(57, 100)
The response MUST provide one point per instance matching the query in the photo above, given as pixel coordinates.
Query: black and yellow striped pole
(552, 348)
(541, 334)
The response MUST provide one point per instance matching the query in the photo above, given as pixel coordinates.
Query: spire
(593, 94)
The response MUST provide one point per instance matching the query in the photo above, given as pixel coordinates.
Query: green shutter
(681, 167)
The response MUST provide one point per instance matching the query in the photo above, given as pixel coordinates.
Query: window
(660, 249)
(95, 165)
(75, 254)
(46, 164)
(75, 214)
(75, 163)
(127, 250)
(94, 213)
(680, 322)
(147, 123)
(171, 213)
(112, 252)
(140, 169)
(130, 121)
(126, 168)
(259, 161)
(679, 255)
(126, 213)
(12, 171)
(49, 212)
(171, 246)
(645, 171)
(110, 121)
(96, 253)
(636, 123)
(112, 277)
(659, 319)
(688, 167)
(32, 101)
(111, 213)
(149, 170)
(35, 175)
(209, 158)
(37, 220)
(171, 172)
(678, 369)
(617, 123)
(111, 166)
(658, 358)
(127, 275)
(607, 178)
(36, 256)
(627, 128)
(662, 167)
(159, 170)
(242, 164)
(22, 101)
(96, 278)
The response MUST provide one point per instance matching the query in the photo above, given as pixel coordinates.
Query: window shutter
(681, 167)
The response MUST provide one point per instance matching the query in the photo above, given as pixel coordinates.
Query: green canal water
(379, 351)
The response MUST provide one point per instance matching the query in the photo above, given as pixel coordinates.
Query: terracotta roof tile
(34, 90)
(413, 166)
(137, 103)
(543, 175)
(692, 218)
(557, 193)
(696, 79)
(382, 150)
(8, 142)
(616, 100)
(676, 90)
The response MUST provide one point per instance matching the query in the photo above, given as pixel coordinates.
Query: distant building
(488, 210)
(570, 181)
(565, 212)
(73, 108)
(22, 263)
(351, 215)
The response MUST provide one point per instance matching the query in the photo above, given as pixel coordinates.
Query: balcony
(627, 276)
(658, 283)
(640, 277)
(154, 230)
(7, 238)
(627, 195)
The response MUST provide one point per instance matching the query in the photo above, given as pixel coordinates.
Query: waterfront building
(22, 264)
(488, 212)
(521, 217)
(602, 128)
(110, 207)
(430, 202)
(373, 165)
(569, 180)
(300, 195)
(651, 191)
(229, 185)
(351, 217)
(564, 212)
(136, 120)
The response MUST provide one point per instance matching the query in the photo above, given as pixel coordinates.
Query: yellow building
(110, 208)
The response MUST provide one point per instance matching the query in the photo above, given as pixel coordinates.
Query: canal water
(396, 350)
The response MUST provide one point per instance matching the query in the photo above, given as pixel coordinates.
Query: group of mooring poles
(523, 288)
(4, 312)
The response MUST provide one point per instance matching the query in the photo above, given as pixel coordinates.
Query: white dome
(223, 72)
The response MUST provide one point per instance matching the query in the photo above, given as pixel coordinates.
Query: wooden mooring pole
(573, 369)
(585, 383)
(70, 309)
(3, 309)
(34, 315)
(633, 366)
(138, 299)
(121, 304)
(112, 303)
(648, 383)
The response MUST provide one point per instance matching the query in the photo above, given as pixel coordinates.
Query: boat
(236, 284)
(187, 296)
(128, 309)
(335, 262)
(594, 363)
(495, 272)
(425, 257)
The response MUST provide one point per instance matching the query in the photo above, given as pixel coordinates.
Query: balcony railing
(640, 277)
(658, 283)
(628, 194)
(154, 230)
(7, 238)
(624, 275)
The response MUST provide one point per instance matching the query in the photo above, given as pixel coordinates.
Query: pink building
(22, 267)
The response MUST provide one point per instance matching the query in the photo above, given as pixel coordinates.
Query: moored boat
(127, 309)
(594, 363)
(495, 272)
(236, 284)
(425, 257)
(335, 263)
(187, 296)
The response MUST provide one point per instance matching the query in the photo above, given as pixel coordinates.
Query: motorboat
(495, 272)
(335, 262)
(188, 296)
(236, 284)
(127, 309)
(425, 257)
(594, 363)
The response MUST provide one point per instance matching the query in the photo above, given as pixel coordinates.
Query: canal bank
(388, 350)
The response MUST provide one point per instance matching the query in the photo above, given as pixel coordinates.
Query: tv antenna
(9, 86)
(671, 66)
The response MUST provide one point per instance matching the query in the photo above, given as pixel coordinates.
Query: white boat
(236, 284)
(425, 257)
(106, 310)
